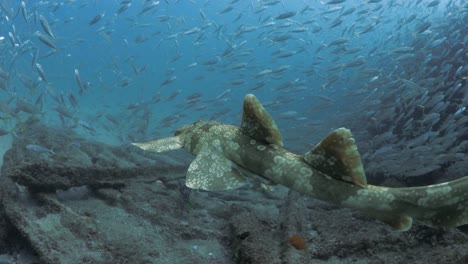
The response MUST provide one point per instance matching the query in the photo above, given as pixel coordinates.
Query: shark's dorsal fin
(161, 145)
(211, 171)
(257, 123)
(337, 156)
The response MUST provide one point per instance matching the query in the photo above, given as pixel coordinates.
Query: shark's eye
(180, 130)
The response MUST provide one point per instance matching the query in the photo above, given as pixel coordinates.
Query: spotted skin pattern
(331, 172)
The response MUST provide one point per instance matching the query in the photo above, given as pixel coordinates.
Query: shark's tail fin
(441, 205)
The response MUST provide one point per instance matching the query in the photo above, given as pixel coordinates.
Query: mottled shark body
(332, 171)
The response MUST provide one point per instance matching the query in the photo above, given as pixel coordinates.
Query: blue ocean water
(148, 67)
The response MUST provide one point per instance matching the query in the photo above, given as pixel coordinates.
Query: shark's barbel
(332, 171)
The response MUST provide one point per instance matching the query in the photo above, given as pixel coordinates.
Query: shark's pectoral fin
(257, 123)
(161, 145)
(337, 156)
(211, 171)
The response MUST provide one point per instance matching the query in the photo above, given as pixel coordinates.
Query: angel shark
(332, 171)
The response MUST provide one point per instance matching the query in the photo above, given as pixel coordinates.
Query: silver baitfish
(39, 149)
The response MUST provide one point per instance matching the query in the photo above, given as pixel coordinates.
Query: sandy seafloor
(153, 218)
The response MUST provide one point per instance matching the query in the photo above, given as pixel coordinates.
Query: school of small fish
(394, 71)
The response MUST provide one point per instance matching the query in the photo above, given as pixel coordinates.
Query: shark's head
(191, 135)
(184, 130)
(187, 137)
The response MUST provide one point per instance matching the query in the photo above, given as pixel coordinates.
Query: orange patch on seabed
(297, 242)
